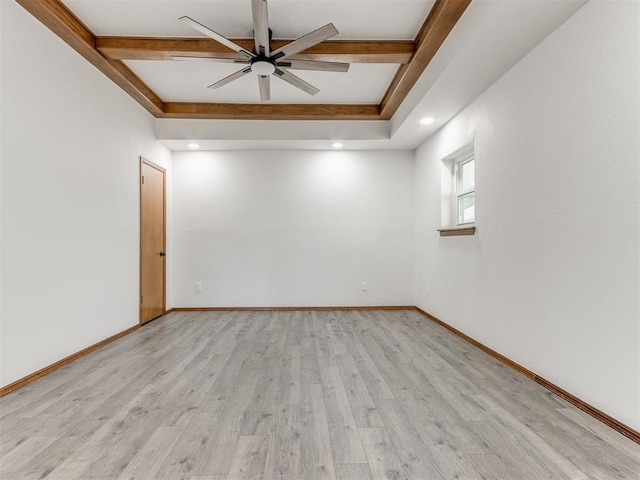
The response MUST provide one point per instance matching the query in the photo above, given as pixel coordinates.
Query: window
(465, 179)
(457, 192)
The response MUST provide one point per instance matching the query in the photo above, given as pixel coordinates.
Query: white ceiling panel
(187, 81)
(354, 19)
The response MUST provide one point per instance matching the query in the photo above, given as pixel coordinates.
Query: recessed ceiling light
(427, 120)
(193, 146)
(337, 145)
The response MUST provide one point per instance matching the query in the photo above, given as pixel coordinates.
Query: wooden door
(152, 241)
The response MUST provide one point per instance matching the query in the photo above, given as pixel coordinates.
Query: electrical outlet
(428, 289)
(198, 287)
(365, 286)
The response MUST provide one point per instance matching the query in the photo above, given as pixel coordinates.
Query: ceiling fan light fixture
(263, 67)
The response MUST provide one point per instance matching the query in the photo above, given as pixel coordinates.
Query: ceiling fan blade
(210, 59)
(296, 81)
(216, 36)
(230, 78)
(264, 82)
(260, 26)
(306, 41)
(314, 65)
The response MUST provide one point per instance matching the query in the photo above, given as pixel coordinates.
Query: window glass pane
(468, 175)
(466, 208)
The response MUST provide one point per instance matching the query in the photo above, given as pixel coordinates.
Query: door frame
(164, 234)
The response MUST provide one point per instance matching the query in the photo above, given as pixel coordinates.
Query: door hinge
(141, 299)
(143, 179)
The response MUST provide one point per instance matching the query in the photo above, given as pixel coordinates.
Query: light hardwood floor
(299, 395)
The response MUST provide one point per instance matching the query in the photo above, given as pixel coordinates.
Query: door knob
(163, 254)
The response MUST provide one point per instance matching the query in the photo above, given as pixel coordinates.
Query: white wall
(295, 228)
(551, 278)
(70, 202)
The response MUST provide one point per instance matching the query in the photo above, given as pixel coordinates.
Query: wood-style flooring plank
(537, 449)
(19, 457)
(259, 416)
(353, 471)
(249, 458)
(290, 376)
(146, 463)
(309, 366)
(181, 459)
(492, 467)
(283, 452)
(316, 459)
(383, 459)
(414, 454)
(343, 432)
(511, 454)
(363, 407)
(376, 384)
(208, 477)
(605, 435)
(42, 463)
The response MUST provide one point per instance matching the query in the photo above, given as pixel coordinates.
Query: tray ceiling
(449, 51)
(387, 42)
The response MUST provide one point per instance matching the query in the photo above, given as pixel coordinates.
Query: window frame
(457, 186)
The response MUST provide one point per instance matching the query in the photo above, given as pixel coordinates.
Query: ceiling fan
(266, 63)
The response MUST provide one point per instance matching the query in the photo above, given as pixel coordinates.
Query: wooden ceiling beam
(351, 51)
(61, 21)
(441, 19)
(244, 111)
